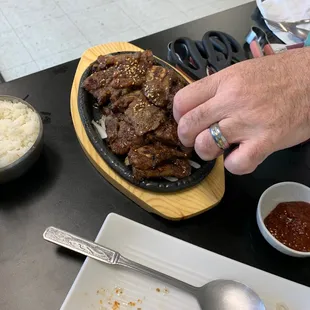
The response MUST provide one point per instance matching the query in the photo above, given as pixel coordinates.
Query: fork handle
(80, 245)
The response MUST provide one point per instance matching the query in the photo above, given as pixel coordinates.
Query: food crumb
(166, 291)
(119, 291)
(101, 291)
(116, 305)
(158, 290)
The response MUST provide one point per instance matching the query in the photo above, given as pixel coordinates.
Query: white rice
(19, 129)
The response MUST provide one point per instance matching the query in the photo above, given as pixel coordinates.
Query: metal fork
(292, 27)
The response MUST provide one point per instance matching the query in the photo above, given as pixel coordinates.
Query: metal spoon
(215, 295)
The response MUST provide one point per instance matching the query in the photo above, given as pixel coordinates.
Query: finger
(205, 146)
(246, 158)
(201, 118)
(193, 95)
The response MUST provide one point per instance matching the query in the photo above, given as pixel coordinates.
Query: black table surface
(63, 189)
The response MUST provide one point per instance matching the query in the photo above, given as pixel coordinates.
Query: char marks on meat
(123, 102)
(150, 156)
(106, 61)
(118, 93)
(99, 79)
(108, 93)
(166, 133)
(136, 96)
(180, 168)
(101, 94)
(121, 135)
(161, 85)
(144, 116)
(117, 72)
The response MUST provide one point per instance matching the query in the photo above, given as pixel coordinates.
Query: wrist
(306, 54)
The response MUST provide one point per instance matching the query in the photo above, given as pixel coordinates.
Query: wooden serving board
(173, 206)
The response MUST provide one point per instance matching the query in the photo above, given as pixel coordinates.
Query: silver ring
(217, 136)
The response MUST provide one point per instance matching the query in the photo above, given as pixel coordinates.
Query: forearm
(298, 64)
(307, 81)
(306, 56)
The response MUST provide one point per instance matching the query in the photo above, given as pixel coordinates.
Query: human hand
(261, 104)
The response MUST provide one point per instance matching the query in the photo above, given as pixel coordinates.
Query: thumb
(245, 158)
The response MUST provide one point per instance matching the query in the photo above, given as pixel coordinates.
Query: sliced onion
(171, 179)
(127, 163)
(102, 131)
(102, 121)
(194, 164)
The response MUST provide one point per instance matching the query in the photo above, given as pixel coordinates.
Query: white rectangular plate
(103, 287)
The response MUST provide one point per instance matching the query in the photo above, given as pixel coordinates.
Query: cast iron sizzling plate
(88, 112)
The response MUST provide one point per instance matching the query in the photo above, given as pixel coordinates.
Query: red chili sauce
(289, 223)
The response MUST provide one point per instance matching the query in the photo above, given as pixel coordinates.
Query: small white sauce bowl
(272, 196)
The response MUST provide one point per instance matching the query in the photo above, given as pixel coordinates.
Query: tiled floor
(38, 34)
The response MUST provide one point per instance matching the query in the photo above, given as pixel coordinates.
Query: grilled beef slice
(150, 156)
(179, 169)
(121, 135)
(144, 117)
